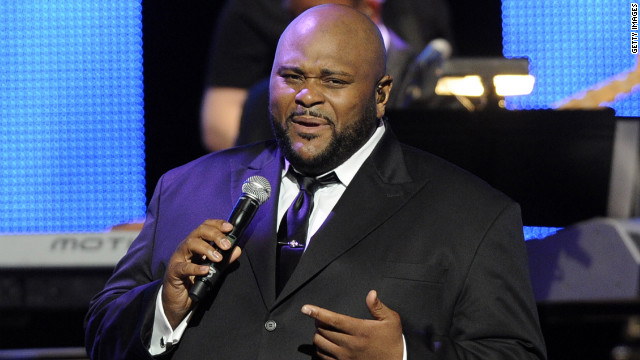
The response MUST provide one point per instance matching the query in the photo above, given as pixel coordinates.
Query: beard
(342, 146)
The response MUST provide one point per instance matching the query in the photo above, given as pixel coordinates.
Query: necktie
(292, 234)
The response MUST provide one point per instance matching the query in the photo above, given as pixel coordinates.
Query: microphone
(436, 51)
(255, 191)
(423, 74)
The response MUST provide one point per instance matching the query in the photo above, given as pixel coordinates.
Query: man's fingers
(330, 320)
(339, 336)
(185, 269)
(334, 337)
(214, 231)
(208, 241)
(195, 248)
(378, 310)
(235, 254)
(323, 316)
(222, 224)
(326, 349)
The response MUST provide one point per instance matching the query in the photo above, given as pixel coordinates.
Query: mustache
(307, 112)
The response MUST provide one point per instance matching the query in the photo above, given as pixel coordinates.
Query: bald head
(328, 87)
(342, 28)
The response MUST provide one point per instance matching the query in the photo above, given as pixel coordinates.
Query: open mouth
(308, 121)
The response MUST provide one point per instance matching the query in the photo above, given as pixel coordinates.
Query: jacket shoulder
(442, 173)
(213, 164)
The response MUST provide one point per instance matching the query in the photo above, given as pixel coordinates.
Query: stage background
(158, 125)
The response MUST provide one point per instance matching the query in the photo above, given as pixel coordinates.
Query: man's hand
(182, 269)
(343, 337)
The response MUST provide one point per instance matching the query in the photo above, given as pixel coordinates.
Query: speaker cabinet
(595, 260)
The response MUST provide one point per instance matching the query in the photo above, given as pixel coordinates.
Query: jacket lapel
(382, 183)
(259, 238)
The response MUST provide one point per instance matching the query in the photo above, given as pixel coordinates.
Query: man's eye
(292, 77)
(335, 82)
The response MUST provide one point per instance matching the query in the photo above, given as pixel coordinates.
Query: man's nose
(309, 95)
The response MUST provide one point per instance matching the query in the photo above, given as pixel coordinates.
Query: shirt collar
(348, 169)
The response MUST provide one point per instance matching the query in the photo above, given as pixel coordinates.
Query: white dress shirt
(325, 197)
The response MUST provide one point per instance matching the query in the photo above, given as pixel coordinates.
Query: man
(406, 257)
(232, 91)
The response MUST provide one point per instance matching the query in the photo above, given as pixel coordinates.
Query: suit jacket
(441, 248)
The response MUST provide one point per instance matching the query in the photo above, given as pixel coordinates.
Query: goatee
(342, 146)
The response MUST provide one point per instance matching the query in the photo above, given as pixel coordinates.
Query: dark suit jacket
(440, 247)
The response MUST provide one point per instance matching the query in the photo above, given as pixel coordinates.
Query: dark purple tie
(292, 234)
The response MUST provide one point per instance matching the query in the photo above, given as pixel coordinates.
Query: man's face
(322, 98)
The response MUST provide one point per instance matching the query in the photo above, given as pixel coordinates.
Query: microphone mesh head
(258, 188)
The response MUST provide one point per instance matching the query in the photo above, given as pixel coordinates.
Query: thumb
(378, 310)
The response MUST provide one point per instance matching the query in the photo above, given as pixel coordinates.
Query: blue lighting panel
(538, 232)
(572, 45)
(71, 115)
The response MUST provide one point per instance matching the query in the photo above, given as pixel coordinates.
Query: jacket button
(270, 325)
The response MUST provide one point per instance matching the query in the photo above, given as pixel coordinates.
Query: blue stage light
(71, 115)
(571, 46)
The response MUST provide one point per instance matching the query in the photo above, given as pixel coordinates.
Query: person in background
(419, 22)
(246, 35)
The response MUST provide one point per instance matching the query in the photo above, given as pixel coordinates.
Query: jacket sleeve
(119, 322)
(495, 315)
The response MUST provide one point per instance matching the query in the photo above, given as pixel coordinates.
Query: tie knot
(311, 184)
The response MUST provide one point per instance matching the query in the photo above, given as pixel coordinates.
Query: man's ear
(383, 89)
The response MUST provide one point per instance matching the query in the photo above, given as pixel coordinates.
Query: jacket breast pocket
(415, 272)
(415, 291)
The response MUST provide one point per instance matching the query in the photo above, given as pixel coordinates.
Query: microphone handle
(240, 218)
